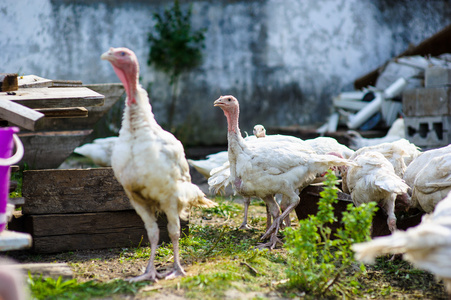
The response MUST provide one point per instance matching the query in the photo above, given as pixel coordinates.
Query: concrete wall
(283, 59)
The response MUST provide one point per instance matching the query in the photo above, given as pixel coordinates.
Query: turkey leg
(150, 222)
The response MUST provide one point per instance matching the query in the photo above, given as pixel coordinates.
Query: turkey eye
(229, 99)
(123, 53)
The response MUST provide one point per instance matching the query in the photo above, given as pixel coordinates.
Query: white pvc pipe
(365, 113)
(395, 88)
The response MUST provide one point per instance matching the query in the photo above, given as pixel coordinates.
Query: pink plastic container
(6, 159)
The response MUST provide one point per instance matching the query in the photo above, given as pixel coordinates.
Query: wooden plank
(66, 232)
(18, 201)
(53, 270)
(11, 240)
(70, 112)
(130, 237)
(19, 115)
(72, 191)
(82, 223)
(89, 223)
(112, 92)
(66, 83)
(311, 195)
(8, 82)
(119, 238)
(55, 97)
(49, 149)
(33, 81)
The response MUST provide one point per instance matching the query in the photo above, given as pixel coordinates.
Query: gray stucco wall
(283, 59)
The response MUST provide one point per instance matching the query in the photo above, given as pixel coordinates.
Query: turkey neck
(233, 131)
(138, 115)
(236, 143)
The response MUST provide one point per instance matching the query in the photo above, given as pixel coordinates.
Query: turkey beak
(107, 55)
(218, 102)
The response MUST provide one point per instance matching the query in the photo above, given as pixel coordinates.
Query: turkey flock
(150, 164)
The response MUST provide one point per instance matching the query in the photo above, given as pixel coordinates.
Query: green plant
(318, 264)
(175, 48)
(49, 288)
(17, 176)
(224, 208)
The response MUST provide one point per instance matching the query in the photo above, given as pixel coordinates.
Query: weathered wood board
(112, 92)
(66, 112)
(53, 270)
(33, 81)
(82, 223)
(55, 97)
(308, 206)
(92, 231)
(49, 149)
(65, 232)
(72, 191)
(19, 115)
(80, 209)
(8, 82)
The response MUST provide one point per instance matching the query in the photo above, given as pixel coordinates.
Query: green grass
(49, 288)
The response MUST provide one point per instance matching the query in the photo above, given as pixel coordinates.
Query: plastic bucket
(7, 140)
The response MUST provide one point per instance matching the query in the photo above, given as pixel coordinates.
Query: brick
(437, 77)
(425, 102)
(428, 132)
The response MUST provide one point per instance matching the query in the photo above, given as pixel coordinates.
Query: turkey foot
(176, 272)
(273, 229)
(245, 226)
(148, 276)
(273, 241)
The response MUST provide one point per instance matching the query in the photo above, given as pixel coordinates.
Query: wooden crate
(309, 206)
(69, 210)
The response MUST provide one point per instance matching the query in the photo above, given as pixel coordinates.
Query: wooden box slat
(49, 149)
(8, 82)
(66, 232)
(84, 223)
(309, 206)
(33, 81)
(131, 237)
(55, 97)
(67, 112)
(72, 191)
(19, 115)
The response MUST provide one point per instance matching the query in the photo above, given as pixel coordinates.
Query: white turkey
(220, 176)
(374, 179)
(400, 153)
(150, 164)
(320, 145)
(215, 160)
(429, 176)
(395, 133)
(99, 151)
(427, 245)
(265, 168)
(325, 145)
